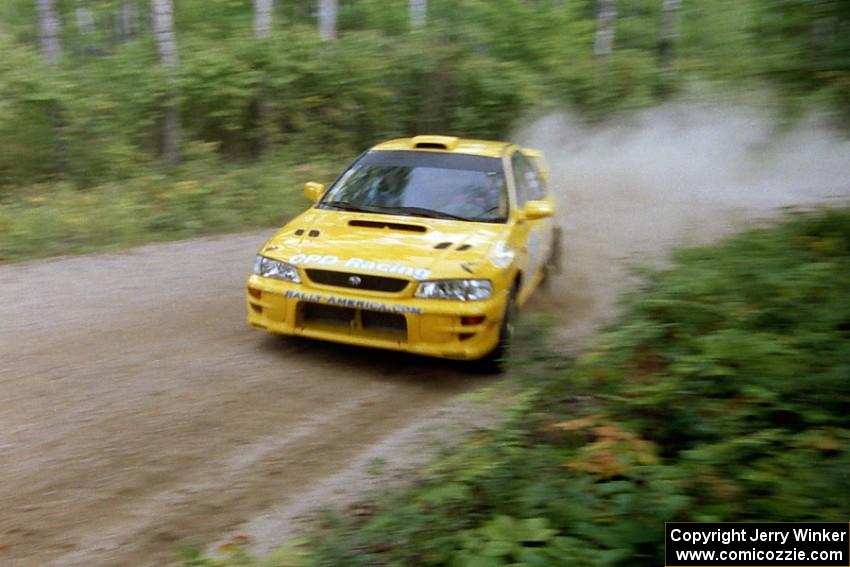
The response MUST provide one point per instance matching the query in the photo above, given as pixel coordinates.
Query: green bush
(721, 395)
(200, 197)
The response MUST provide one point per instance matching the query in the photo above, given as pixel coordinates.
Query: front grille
(318, 313)
(352, 319)
(383, 321)
(363, 281)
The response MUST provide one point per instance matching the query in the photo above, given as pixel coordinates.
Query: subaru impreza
(427, 245)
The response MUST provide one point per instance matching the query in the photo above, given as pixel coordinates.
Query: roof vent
(447, 143)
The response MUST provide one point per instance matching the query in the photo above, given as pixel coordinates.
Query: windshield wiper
(408, 211)
(343, 206)
(421, 212)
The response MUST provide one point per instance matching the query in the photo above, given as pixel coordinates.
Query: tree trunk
(262, 27)
(126, 21)
(263, 17)
(49, 30)
(163, 28)
(825, 26)
(606, 15)
(669, 37)
(327, 19)
(85, 26)
(418, 13)
(85, 18)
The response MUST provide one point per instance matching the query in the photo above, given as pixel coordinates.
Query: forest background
(126, 121)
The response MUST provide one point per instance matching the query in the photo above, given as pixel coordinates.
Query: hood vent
(390, 225)
(313, 233)
(299, 232)
(443, 245)
(463, 247)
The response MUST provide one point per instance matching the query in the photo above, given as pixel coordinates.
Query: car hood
(392, 245)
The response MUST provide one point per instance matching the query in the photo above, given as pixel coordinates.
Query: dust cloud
(631, 190)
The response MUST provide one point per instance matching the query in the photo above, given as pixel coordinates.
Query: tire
(495, 361)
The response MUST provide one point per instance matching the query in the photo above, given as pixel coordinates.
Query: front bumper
(433, 327)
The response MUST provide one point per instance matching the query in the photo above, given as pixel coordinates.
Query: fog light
(256, 308)
(255, 293)
(472, 319)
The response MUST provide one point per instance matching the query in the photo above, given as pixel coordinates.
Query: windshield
(426, 184)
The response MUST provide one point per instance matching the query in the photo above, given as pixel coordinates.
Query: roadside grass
(200, 197)
(722, 394)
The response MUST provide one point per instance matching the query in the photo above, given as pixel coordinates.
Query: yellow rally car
(424, 244)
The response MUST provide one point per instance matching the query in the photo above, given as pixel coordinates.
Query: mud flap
(554, 261)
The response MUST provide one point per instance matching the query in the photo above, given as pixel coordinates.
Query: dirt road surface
(140, 413)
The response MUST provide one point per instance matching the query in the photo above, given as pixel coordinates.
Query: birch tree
(85, 26)
(328, 10)
(418, 13)
(263, 18)
(825, 25)
(49, 30)
(126, 20)
(163, 28)
(606, 15)
(85, 18)
(262, 28)
(669, 36)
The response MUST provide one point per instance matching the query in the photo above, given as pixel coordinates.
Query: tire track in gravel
(140, 413)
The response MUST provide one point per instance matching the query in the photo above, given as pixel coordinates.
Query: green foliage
(235, 555)
(721, 395)
(26, 92)
(199, 197)
(477, 68)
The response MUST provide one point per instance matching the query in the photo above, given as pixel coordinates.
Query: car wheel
(495, 361)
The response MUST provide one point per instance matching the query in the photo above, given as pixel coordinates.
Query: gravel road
(140, 413)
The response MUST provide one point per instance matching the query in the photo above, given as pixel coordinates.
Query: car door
(535, 235)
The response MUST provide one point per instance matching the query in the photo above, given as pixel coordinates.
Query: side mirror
(538, 210)
(314, 191)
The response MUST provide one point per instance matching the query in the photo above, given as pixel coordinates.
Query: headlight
(274, 269)
(460, 290)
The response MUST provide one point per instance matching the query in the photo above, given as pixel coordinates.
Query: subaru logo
(355, 280)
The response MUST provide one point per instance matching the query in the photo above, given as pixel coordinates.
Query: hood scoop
(447, 143)
(389, 225)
